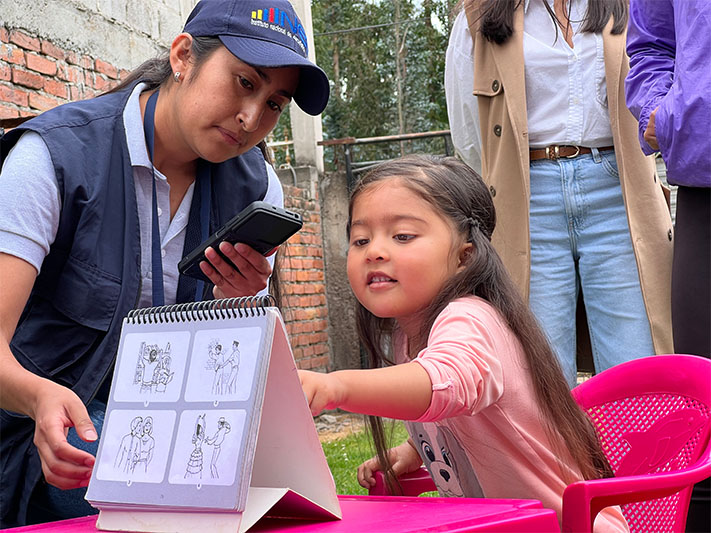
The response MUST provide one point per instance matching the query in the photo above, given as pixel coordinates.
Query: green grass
(345, 455)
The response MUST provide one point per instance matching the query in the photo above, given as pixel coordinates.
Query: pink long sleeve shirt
(483, 434)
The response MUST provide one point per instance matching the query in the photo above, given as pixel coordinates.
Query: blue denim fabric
(580, 240)
(48, 503)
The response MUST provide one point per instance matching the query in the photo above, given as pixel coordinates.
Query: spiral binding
(205, 310)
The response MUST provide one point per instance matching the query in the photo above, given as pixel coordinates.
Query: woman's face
(226, 107)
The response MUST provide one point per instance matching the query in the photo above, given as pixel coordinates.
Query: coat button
(669, 234)
(497, 130)
(495, 85)
(492, 190)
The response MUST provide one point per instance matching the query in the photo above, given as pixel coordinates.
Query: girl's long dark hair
(497, 16)
(460, 196)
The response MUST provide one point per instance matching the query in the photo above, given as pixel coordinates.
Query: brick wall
(36, 75)
(304, 286)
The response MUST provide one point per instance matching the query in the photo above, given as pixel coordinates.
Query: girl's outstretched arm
(402, 391)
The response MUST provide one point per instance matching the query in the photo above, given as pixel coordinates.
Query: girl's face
(401, 252)
(227, 106)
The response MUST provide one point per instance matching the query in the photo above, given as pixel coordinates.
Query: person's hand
(252, 276)
(57, 409)
(404, 459)
(323, 391)
(650, 134)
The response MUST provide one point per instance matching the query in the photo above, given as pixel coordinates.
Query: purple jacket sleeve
(651, 46)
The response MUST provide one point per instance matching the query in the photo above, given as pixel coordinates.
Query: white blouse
(566, 92)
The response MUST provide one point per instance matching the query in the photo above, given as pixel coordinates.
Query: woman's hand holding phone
(250, 277)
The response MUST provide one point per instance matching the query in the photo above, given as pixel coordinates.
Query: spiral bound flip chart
(207, 425)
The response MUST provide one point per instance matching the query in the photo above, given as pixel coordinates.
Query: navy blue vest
(70, 327)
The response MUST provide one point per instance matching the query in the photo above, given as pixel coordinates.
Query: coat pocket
(58, 329)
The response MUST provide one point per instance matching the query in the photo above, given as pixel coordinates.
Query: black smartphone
(260, 225)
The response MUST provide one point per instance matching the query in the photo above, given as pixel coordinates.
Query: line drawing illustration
(153, 368)
(136, 446)
(194, 467)
(129, 443)
(223, 428)
(224, 365)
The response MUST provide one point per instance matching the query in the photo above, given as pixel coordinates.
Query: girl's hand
(252, 276)
(404, 459)
(323, 391)
(57, 409)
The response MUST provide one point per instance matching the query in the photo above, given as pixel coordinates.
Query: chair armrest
(583, 500)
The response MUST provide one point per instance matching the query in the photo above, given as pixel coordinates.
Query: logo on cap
(277, 20)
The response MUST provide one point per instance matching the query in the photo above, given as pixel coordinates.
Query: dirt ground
(337, 425)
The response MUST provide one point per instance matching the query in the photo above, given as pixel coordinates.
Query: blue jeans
(48, 503)
(580, 240)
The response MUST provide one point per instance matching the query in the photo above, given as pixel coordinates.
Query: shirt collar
(133, 126)
(526, 3)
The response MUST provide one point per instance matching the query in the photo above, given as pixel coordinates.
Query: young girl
(453, 347)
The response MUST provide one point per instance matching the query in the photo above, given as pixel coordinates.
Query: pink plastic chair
(653, 418)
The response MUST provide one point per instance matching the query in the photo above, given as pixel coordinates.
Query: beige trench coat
(499, 86)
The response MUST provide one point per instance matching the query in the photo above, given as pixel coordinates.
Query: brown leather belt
(563, 151)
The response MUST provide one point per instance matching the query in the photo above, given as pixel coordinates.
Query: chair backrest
(652, 415)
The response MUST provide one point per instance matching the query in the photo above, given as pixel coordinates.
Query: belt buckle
(571, 156)
(553, 155)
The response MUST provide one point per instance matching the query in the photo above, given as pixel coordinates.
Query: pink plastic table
(366, 514)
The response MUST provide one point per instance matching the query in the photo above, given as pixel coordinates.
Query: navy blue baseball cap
(263, 34)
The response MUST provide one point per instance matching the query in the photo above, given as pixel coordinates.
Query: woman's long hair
(460, 196)
(497, 16)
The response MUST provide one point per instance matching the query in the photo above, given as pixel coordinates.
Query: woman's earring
(176, 77)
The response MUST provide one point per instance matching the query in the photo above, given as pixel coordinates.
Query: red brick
(27, 79)
(12, 54)
(8, 112)
(5, 72)
(73, 57)
(23, 40)
(56, 88)
(106, 68)
(43, 103)
(13, 95)
(100, 83)
(4, 35)
(51, 50)
(41, 64)
(71, 73)
(75, 93)
(123, 74)
(86, 62)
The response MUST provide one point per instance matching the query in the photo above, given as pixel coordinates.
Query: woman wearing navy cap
(99, 201)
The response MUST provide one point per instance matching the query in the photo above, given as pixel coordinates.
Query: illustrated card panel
(151, 367)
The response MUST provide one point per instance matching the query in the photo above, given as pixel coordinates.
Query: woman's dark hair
(157, 72)
(459, 195)
(497, 16)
